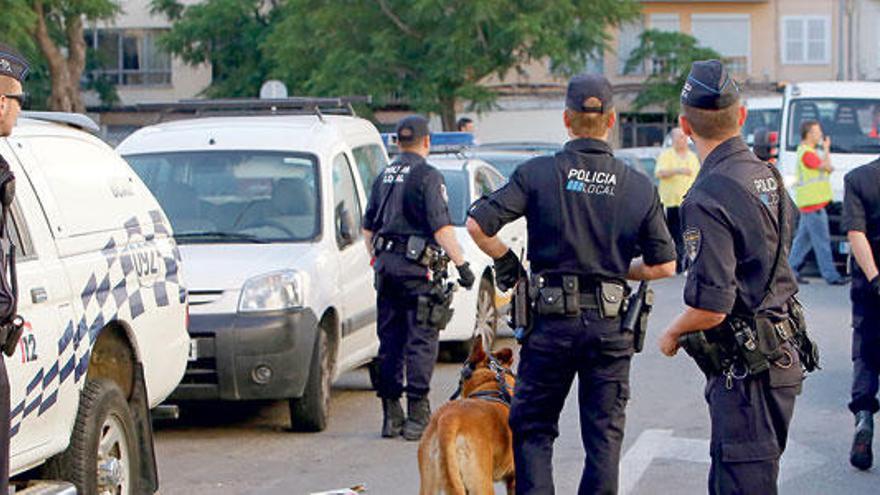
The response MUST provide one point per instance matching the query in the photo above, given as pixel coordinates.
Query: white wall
(522, 119)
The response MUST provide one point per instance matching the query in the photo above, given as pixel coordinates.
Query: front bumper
(229, 348)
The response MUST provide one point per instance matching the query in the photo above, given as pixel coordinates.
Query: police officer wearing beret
(589, 217)
(861, 217)
(737, 221)
(13, 71)
(407, 214)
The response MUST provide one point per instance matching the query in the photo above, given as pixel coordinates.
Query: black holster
(637, 311)
(521, 317)
(806, 347)
(434, 309)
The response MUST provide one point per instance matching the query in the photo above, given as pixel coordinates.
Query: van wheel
(309, 413)
(485, 322)
(103, 456)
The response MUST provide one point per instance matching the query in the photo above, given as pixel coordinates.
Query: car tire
(309, 413)
(103, 455)
(485, 323)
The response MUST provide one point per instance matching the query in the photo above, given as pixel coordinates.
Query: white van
(849, 113)
(267, 211)
(764, 111)
(105, 309)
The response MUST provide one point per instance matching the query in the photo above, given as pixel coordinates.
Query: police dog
(468, 444)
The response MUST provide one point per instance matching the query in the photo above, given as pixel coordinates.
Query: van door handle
(39, 295)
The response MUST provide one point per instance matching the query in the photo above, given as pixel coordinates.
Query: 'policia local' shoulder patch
(692, 242)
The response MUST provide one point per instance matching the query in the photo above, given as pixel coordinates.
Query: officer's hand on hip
(508, 270)
(668, 343)
(875, 285)
(466, 277)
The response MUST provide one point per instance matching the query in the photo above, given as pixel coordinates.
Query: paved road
(230, 448)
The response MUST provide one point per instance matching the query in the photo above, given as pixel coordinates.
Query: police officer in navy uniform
(737, 271)
(13, 71)
(589, 217)
(408, 211)
(861, 217)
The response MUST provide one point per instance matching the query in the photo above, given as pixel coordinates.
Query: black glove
(875, 285)
(466, 277)
(508, 270)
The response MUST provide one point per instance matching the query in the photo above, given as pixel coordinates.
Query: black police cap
(583, 87)
(709, 86)
(411, 128)
(12, 64)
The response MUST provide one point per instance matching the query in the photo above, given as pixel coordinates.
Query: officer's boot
(418, 412)
(861, 456)
(392, 418)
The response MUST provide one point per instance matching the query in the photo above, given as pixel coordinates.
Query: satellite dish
(273, 90)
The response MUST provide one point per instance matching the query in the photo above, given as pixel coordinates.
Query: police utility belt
(744, 346)
(414, 248)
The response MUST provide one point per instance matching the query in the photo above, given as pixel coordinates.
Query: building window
(596, 63)
(806, 40)
(628, 39)
(129, 57)
(727, 34)
(669, 23)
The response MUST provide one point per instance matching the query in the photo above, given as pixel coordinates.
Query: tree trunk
(76, 61)
(65, 95)
(447, 112)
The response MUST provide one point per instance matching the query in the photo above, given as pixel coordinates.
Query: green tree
(54, 29)
(669, 56)
(433, 54)
(227, 34)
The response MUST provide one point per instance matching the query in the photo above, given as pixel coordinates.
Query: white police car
(267, 211)
(105, 309)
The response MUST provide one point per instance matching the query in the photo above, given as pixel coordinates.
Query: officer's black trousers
(558, 349)
(865, 353)
(4, 428)
(750, 420)
(404, 346)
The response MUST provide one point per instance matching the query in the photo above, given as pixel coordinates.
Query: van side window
(347, 208)
(17, 232)
(370, 160)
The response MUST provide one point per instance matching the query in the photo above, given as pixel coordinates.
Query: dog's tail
(449, 461)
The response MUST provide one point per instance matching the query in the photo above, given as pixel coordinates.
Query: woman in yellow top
(677, 168)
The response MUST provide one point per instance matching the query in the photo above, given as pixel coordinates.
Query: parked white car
(105, 309)
(476, 310)
(267, 211)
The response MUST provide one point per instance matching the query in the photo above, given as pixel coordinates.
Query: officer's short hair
(807, 126)
(589, 124)
(713, 124)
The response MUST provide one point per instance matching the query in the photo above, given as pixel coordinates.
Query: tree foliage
(669, 56)
(227, 34)
(432, 54)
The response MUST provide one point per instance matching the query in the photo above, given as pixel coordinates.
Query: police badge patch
(692, 242)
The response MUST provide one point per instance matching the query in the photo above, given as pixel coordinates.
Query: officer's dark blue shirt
(413, 208)
(730, 231)
(587, 213)
(861, 212)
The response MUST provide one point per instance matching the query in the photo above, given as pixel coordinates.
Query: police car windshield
(459, 194)
(234, 196)
(853, 124)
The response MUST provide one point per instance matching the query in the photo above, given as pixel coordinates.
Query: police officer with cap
(13, 71)
(408, 216)
(593, 223)
(861, 217)
(737, 225)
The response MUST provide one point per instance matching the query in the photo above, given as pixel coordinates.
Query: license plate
(193, 349)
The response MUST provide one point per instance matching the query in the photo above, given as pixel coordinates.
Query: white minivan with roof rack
(266, 208)
(104, 305)
(849, 112)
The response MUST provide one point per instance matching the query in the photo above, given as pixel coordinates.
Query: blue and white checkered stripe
(107, 295)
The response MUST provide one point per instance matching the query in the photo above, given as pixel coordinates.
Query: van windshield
(758, 118)
(234, 196)
(852, 124)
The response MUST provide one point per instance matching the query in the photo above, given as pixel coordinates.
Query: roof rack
(77, 120)
(255, 106)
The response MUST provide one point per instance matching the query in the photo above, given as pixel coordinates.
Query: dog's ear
(478, 355)
(505, 356)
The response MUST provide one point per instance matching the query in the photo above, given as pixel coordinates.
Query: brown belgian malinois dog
(468, 445)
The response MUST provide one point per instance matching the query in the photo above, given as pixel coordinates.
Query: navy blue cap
(709, 86)
(583, 87)
(411, 128)
(12, 64)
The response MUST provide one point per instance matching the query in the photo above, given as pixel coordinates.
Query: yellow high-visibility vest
(813, 186)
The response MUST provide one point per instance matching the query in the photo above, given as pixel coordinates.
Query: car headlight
(272, 292)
